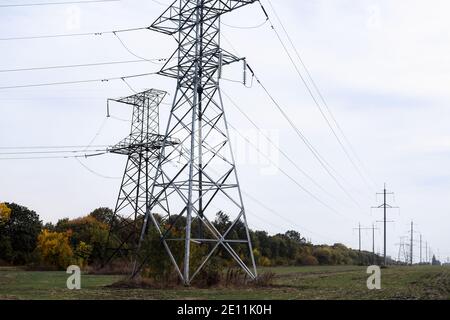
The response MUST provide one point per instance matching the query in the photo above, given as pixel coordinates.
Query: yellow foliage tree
(83, 251)
(55, 249)
(5, 212)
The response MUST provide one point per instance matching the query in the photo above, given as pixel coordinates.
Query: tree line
(26, 240)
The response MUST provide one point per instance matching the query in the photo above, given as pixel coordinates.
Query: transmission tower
(403, 251)
(385, 206)
(412, 242)
(142, 148)
(205, 183)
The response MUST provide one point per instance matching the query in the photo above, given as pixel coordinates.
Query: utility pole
(359, 236)
(373, 242)
(385, 206)
(411, 239)
(420, 248)
(430, 255)
(373, 238)
(360, 239)
(426, 251)
(359, 231)
(412, 243)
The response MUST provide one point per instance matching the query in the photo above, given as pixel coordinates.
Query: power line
(325, 165)
(95, 172)
(321, 96)
(49, 147)
(76, 65)
(312, 195)
(76, 81)
(284, 154)
(82, 34)
(245, 27)
(51, 152)
(55, 3)
(54, 157)
(256, 200)
(316, 102)
(128, 49)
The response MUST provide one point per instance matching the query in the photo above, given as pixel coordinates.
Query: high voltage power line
(40, 4)
(86, 155)
(310, 91)
(45, 84)
(283, 153)
(77, 65)
(323, 163)
(50, 152)
(245, 27)
(50, 147)
(68, 35)
(295, 181)
(322, 98)
(312, 195)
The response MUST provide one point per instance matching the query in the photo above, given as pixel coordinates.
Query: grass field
(335, 282)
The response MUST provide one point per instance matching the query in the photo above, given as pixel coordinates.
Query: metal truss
(142, 147)
(205, 182)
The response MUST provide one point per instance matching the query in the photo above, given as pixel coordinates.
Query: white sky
(382, 66)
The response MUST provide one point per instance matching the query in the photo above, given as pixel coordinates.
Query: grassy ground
(336, 282)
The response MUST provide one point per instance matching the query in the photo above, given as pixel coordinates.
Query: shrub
(324, 256)
(265, 279)
(264, 262)
(309, 260)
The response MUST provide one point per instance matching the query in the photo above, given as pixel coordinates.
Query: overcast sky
(382, 66)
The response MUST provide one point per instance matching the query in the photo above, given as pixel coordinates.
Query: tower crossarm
(177, 18)
(129, 145)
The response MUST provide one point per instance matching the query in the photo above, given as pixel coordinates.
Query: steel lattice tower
(142, 147)
(205, 182)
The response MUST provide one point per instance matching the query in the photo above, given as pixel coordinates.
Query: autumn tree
(54, 249)
(5, 213)
(83, 252)
(88, 230)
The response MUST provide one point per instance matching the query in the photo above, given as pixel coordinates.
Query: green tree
(83, 252)
(18, 235)
(295, 236)
(104, 215)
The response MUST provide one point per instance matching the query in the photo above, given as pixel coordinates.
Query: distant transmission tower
(142, 147)
(385, 206)
(205, 183)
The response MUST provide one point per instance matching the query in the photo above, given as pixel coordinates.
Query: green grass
(336, 282)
